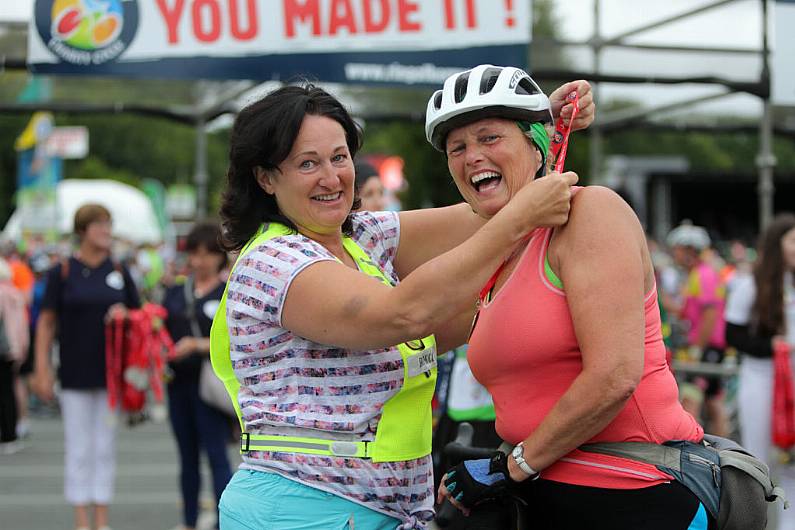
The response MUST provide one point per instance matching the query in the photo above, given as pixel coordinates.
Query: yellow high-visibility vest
(404, 430)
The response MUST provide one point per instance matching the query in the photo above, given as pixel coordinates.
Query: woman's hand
(184, 347)
(116, 311)
(780, 341)
(561, 107)
(546, 201)
(474, 481)
(443, 494)
(43, 383)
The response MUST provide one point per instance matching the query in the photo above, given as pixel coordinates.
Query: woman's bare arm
(331, 303)
(600, 258)
(426, 234)
(42, 381)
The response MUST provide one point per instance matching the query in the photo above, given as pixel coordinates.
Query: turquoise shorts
(254, 500)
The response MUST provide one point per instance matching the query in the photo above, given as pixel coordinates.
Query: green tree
(123, 147)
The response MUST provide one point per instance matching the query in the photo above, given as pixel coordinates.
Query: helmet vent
(489, 79)
(437, 100)
(461, 87)
(526, 87)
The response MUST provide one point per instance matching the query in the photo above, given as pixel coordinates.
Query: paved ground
(147, 494)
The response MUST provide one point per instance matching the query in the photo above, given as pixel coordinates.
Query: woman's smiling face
(490, 160)
(314, 184)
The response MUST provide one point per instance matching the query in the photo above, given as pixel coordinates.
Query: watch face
(517, 452)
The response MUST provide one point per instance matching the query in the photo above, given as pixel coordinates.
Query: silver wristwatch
(518, 455)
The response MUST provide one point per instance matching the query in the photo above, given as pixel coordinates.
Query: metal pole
(661, 195)
(596, 145)
(766, 160)
(200, 171)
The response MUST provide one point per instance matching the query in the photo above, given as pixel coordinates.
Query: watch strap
(518, 456)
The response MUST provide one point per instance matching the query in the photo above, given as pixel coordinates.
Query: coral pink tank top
(525, 352)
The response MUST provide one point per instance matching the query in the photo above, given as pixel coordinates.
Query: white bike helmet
(485, 91)
(688, 235)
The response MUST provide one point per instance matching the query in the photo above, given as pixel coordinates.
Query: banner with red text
(348, 41)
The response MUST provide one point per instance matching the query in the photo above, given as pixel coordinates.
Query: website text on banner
(368, 41)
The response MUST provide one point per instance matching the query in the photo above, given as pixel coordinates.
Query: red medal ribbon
(558, 149)
(560, 141)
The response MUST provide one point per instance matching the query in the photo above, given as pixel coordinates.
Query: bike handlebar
(457, 452)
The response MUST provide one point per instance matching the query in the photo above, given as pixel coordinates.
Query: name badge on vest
(421, 363)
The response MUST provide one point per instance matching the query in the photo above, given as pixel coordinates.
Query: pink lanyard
(560, 140)
(558, 149)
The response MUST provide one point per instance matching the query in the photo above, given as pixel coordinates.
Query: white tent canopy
(134, 218)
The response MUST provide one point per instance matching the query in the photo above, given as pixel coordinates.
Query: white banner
(68, 142)
(783, 57)
(267, 39)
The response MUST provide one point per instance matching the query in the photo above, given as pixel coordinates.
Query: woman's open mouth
(485, 181)
(330, 197)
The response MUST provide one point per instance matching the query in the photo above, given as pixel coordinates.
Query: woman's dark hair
(263, 136)
(364, 171)
(207, 235)
(768, 310)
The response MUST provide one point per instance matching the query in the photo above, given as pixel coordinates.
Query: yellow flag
(40, 125)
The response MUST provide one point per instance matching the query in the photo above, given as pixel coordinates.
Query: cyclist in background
(703, 297)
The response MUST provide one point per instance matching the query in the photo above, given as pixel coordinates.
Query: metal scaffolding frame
(765, 160)
(213, 103)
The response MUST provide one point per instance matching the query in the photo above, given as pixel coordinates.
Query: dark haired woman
(197, 426)
(328, 342)
(369, 187)
(760, 312)
(81, 292)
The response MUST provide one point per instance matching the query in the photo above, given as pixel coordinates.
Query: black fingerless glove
(475, 481)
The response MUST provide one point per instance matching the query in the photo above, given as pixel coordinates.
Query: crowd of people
(332, 375)
(50, 298)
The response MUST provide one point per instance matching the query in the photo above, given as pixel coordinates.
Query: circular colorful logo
(87, 31)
